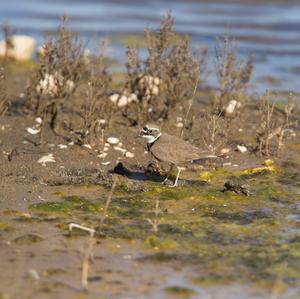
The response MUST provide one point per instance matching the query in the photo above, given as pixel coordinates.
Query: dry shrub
(216, 133)
(61, 68)
(96, 111)
(274, 128)
(165, 78)
(3, 95)
(233, 74)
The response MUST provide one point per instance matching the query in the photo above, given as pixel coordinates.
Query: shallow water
(269, 29)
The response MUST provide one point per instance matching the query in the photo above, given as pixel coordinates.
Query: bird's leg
(168, 174)
(177, 177)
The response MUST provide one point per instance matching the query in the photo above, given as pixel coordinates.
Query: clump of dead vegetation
(276, 126)
(96, 111)
(61, 67)
(233, 75)
(165, 78)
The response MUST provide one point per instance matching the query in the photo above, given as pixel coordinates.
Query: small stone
(119, 149)
(62, 146)
(39, 120)
(102, 156)
(179, 125)
(113, 140)
(46, 159)
(114, 98)
(33, 131)
(232, 106)
(129, 155)
(87, 146)
(225, 150)
(105, 163)
(242, 148)
(123, 101)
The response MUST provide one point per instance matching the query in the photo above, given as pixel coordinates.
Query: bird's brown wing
(174, 150)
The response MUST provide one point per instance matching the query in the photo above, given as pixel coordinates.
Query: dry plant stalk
(217, 131)
(3, 95)
(233, 74)
(156, 221)
(108, 201)
(96, 104)
(88, 252)
(272, 127)
(7, 32)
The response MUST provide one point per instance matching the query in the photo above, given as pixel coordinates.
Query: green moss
(166, 244)
(179, 291)
(68, 205)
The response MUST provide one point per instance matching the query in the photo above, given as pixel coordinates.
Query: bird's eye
(150, 131)
(145, 128)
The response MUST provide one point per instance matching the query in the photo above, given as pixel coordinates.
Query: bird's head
(150, 132)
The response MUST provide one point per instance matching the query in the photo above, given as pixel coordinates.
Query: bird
(170, 149)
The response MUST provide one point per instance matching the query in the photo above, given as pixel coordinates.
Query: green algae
(238, 237)
(180, 292)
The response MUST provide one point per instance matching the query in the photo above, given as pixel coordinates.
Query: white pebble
(62, 146)
(102, 156)
(129, 155)
(241, 148)
(114, 97)
(87, 146)
(39, 120)
(46, 159)
(33, 131)
(113, 140)
(225, 150)
(119, 149)
(179, 125)
(105, 163)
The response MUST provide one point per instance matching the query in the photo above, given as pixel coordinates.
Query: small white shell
(39, 120)
(119, 149)
(62, 146)
(155, 90)
(33, 131)
(102, 156)
(242, 148)
(113, 140)
(87, 146)
(123, 101)
(129, 155)
(114, 97)
(46, 159)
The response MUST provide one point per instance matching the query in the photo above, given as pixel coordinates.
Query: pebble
(119, 149)
(102, 156)
(129, 155)
(62, 146)
(113, 140)
(33, 131)
(225, 150)
(46, 159)
(242, 148)
(105, 163)
(39, 120)
(87, 146)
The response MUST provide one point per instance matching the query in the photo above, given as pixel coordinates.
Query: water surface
(268, 29)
